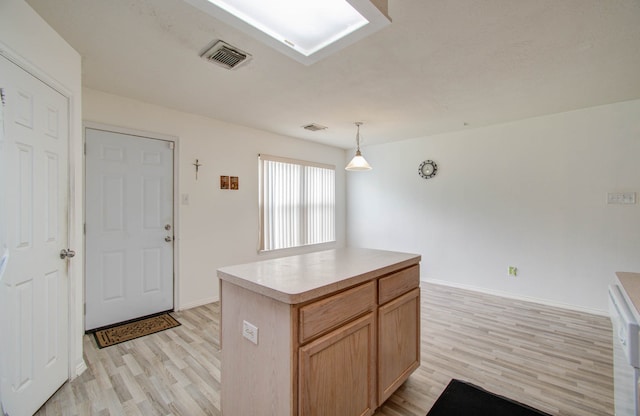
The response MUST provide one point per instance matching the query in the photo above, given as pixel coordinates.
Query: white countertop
(304, 277)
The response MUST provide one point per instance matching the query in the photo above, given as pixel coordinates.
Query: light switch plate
(250, 332)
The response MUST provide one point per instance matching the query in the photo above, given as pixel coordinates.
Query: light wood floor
(556, 360)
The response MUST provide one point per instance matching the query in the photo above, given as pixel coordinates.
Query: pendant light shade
(358, 162)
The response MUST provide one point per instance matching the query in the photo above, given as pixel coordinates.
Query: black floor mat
(460, 398)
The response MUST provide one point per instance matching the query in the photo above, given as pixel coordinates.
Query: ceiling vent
(314, 127)
(225, 55)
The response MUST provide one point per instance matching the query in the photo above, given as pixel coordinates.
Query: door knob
(67, 253)
(168, 239)
(167, 227)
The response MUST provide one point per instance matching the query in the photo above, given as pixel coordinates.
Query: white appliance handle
(3, 261)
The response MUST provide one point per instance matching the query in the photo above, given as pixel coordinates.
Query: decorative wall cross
(197, 165)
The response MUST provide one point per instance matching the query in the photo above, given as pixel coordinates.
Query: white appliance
(626, 354)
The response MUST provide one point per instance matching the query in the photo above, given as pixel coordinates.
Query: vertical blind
(297, 203)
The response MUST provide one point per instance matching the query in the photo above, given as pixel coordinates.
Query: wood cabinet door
(337, 371)
(398, 342)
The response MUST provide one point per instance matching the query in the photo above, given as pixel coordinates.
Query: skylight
(304, 26)
(306, 30)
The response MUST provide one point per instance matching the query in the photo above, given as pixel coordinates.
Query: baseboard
(196, 303)
(80, 368)
(518, 297)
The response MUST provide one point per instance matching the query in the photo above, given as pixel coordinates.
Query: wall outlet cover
(250, 332)
(622, 198)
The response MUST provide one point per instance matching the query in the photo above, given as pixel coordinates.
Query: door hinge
(2, 96)
(85, 148)
(84, 228)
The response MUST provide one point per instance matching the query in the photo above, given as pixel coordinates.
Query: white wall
(218, 227)
(25, 36)
(530, 194)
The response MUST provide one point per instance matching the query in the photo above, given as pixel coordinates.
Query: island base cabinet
(337, 371)
(398, 342)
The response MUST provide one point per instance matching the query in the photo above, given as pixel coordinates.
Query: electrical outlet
(513, 271)
(250, 332)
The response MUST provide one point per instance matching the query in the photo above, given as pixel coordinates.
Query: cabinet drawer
(398, 283)
(323, 315)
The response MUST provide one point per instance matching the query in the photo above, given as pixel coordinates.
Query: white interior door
(33, 292)
(129, 227)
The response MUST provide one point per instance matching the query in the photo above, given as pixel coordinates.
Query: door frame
(176, 206)
(76, 363)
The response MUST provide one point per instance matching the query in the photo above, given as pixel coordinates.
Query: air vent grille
(314, 127)
(225, 55)
(228, 57)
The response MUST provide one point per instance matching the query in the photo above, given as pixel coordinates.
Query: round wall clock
(428, 169)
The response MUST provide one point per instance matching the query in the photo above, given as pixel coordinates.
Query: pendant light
(358, 162)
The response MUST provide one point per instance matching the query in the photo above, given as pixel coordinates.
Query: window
(297, 203)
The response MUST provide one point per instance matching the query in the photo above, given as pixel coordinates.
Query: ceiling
(442, 65)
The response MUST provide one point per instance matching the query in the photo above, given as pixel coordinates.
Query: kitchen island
(334, 332)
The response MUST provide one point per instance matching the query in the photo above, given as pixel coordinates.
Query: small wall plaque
(234, 183)
(224, 182)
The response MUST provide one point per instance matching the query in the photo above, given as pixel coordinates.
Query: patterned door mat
(130, 330)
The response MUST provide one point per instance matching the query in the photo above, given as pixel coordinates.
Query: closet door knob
(67, 253)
